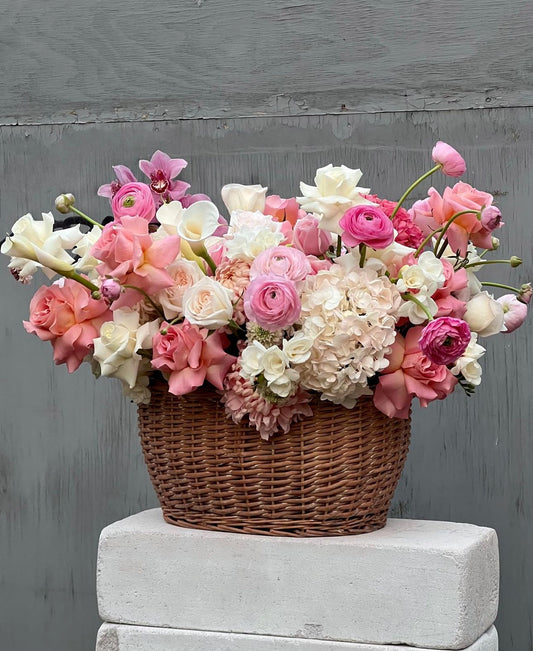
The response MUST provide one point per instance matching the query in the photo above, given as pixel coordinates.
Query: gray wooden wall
(249, 91)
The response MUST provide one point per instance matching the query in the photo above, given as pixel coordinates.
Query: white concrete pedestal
(430, 585)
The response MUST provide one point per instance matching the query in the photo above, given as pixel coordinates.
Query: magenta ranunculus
(135, 200)
(281, 261)
(367, 225)
(309, 238)
(452, 162)
(444, 340)
(272, 302)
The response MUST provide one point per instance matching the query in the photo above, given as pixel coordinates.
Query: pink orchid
(123, 175)
(162, 170)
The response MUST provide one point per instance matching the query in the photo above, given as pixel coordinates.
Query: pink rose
(135, 200)
(444, 340)
(436, 211)
(283, 209)
(452, 162)
(410, 373)
(281, 261)
(309, 238)
(190, 357)
(67, 316)
(129, 255)
(514, 312)
(367, 225)
(455, 281)
(272, 302)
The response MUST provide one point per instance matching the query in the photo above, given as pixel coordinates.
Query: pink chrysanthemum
(235, 275)
(240, 399)
(408, 232)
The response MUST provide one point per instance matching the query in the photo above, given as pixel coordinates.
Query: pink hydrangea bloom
(410, 374)
(444, 340)
(162, 171)
(130, 255)
(452, 162)
(190, 357)
(240, 400)
(67, 316)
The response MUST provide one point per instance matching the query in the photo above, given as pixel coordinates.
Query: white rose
(252, 360)
(120, 339)
(198, 222)
(208, 303)
(185, 274)
(484, 315)
(275, 363)
(284, 386)
(243, 197)
(335, 192)
(35, 245)
(248, 242)
(298, 348)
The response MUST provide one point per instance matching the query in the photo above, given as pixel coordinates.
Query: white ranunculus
(275, 363)
(484, 314)
(185, 274)
(198, 222)
(298, 348)
(414, 312)
(120, 339)
(208, 303)
(35, 245)
(335, 192)
(243, 197)
(252, 360)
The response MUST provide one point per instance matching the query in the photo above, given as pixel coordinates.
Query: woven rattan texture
(332, 474)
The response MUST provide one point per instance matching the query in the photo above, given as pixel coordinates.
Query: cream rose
(252, 360)
(120, 339)
(243, 197)
(298, 348)
(484, 315)
(208, 303)
(185, 274)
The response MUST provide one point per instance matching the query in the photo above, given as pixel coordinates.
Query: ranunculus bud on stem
(526, 291)
(64, 202)
(513, 261)
(110, 289)
(516, 290)
(495, 243)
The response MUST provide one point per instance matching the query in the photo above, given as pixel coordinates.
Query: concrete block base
(121, 637)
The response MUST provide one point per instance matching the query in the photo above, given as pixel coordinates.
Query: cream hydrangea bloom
(351, 319)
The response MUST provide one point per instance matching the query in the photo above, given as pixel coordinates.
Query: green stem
(440, 253)
(426, 240)
(79, 279)
(339, 246)
(362, 253)
(512, 289)
(479, 264)
(449, 223)
(141, 291)
(410, 297)
(86, 217)
(205, 255)
(413, 186)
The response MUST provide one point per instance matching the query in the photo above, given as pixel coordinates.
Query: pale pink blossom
(110, 289)
(235, 275)
(452, 162)
(455, 281)
(514, 312)
(123, 175)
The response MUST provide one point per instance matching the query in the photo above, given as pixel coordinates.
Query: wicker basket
(332, 474)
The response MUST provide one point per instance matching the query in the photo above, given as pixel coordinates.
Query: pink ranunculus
(272, 302)
(410, 373)
(67, 316)
(455, 281)
(445, 339)
(367, 225)
(408, 232)
(283, 209)
(130, 255)
(514, 312)
(190, 357)
(452, 162)
(134, 199)
(309, 238)
(281, 261)
(435, 211)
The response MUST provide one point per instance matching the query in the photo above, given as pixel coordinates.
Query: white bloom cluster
(250, 233)
(422, 280)
(468, 365)
(351, 318)
(274, 363)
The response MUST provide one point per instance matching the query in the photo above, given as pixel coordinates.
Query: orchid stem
(413, 186)
(410, 297)
(86, 217)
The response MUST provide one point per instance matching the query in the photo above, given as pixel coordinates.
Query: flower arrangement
(337, 293)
